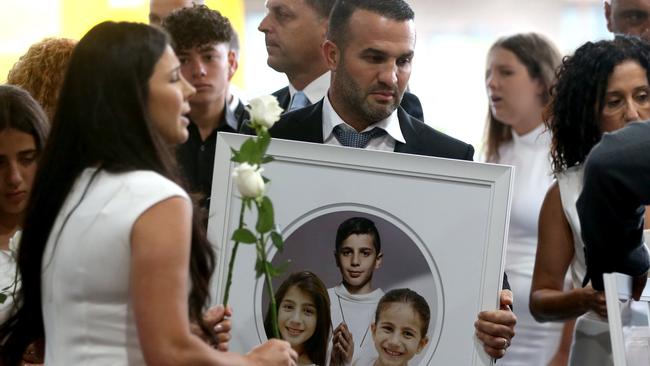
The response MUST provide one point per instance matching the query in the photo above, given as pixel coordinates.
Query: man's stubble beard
(356, 100)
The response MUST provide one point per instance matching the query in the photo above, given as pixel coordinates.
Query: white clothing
(87, 309)
(385, 142)
(8, 276)
(315, 90)
(358, 313)
(535, 342)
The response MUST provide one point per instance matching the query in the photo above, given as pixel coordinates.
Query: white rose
(264, 111)
(249, 180)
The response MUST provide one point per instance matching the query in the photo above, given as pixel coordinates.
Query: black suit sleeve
(611, 206)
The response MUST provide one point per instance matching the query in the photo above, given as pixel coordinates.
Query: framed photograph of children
(396, 252)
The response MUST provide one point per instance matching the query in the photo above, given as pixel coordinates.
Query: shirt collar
(316, 90)
(229, 115)
(331, 119)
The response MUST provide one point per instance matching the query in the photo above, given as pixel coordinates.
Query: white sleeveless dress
(87, 310)
(535, 343)
(591, 338)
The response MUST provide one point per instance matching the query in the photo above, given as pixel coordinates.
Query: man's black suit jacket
(306, 124)
(410, 102)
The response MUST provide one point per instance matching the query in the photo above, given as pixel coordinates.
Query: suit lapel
(284, 97)
(311, 123)
(408, 131)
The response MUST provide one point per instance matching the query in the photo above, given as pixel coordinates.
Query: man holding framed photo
(369, 49)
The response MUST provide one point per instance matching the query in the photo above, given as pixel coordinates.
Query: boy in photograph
(353, 302)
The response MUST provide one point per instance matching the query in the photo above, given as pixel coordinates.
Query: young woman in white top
(520, 72)
(603, 86)
(23, 130)
(110, 250)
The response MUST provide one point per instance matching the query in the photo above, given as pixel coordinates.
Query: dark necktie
(351, 138)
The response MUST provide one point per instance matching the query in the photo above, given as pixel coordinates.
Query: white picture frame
(448, 208)
(618, 289)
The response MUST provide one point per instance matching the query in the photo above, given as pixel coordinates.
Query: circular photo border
(409, 264)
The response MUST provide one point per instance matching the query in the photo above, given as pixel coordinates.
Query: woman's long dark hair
(541, 58)
(19, 111)
(101, 120)
(309, 283)
(577, 100)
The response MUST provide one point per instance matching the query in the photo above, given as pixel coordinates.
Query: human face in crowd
(293, 32)
(209, 69)
(160, 9)
(514, 97)
(168, 99)
(18, 158)
(357, 259)
(372, 69)
(627, 98)
(398, 334)
(297, 318)
(628, 17)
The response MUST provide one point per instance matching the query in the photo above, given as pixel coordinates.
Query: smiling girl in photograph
(400, 328)
(303, 317)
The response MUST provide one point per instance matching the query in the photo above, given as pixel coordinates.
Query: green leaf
(265, 217)
(236, 156)
(244, 236)
(278, 242)
(267, 159)
(3, 298)
(259, 268)
(248, 152)
(276, 271)
(265, 179)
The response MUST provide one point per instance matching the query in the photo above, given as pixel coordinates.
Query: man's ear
(608, 15)
(332, 54)
(233, 64)
(380, 258)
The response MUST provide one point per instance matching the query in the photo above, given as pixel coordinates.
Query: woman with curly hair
(603, 86)
(40, 71)
(520, 72)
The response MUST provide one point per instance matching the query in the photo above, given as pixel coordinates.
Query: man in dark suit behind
(294, 31)
(369, 49)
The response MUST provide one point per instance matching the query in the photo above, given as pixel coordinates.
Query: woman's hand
(217, 318)
(272, 353)
(591, 299)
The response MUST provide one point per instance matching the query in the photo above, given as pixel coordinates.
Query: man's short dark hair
(322, 7)
(357, 226)
(342, 11)
(197, 26)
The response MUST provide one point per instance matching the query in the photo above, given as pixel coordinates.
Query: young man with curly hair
(202, 39)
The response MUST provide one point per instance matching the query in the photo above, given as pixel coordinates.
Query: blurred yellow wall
(26, 22)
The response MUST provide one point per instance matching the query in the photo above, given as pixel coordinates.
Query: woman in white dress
(600, 88)
(520, 71)
(113, 263)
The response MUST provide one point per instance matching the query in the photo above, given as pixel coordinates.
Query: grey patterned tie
(351, 138)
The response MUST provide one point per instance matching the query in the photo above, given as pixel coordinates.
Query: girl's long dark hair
(309, 283)
(101, 120)
(578, 97)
